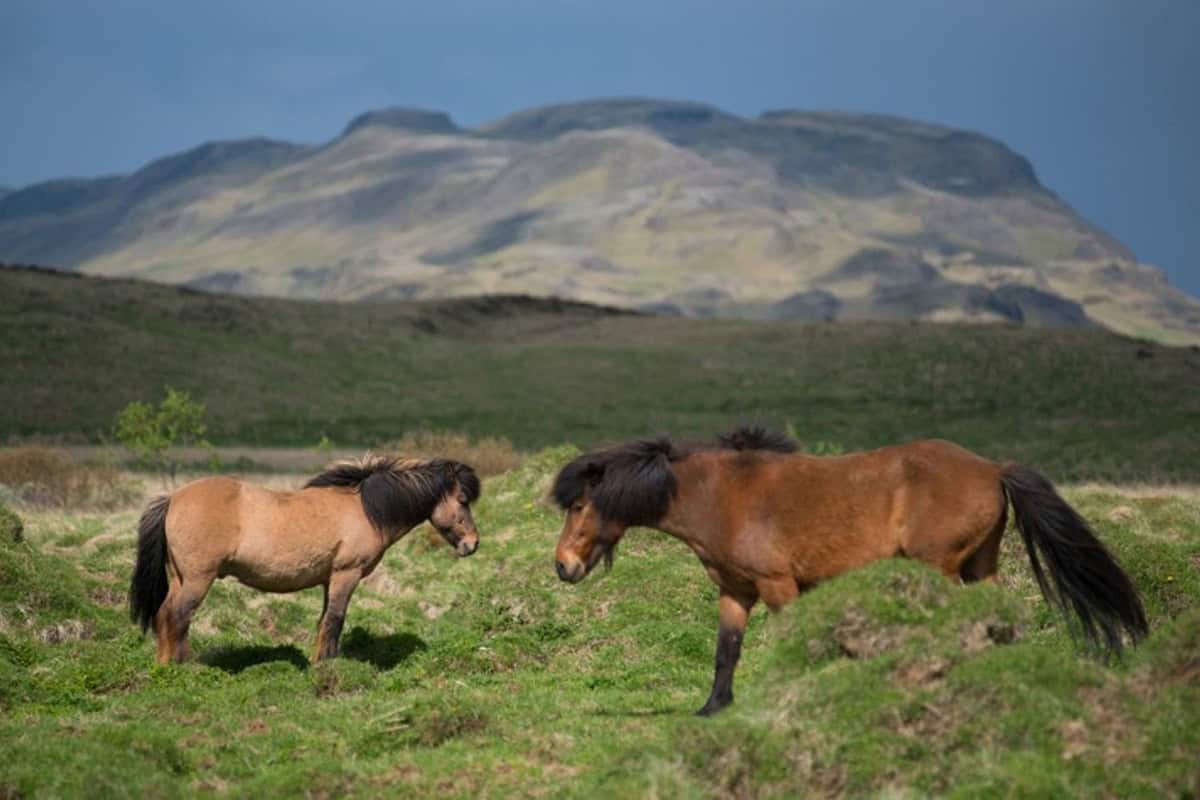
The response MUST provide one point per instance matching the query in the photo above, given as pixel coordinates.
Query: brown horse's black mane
(629, 482)
(397, 492)
(632, 482)
(756, 437)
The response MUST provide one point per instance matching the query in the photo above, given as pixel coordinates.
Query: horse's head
(605, 493)
(451, 515)
(586, 538)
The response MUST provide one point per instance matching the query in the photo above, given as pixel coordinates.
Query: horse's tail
(1083, 576)
(148, 587)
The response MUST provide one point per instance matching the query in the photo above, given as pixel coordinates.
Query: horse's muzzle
(571, 574)
(466, 547)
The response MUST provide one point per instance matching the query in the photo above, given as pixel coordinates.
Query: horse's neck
(693, 514)
(393, 535)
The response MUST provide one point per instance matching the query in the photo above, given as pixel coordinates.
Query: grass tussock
(40, 477)
(488, 455)
(486, 676)
(12, 529)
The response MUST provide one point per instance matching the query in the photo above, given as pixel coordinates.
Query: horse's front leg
(735, 610)
(337, 598)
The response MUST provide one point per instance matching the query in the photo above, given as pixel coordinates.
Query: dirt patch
(1074, 733)
(935, 719)
(1122, 514)
(383, 583)
(1105, 730)
(406, 774)
(500, 537)
(922, 673)
(212, 786)
(255, 726)
(857, 637)
(100, 539)
(430, 610)
(71, 630)
(107, 596)
(1188, 671)
(982, 634)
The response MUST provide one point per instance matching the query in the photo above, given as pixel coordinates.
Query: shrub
(11, 527)
(46, 478)
(814, 448)
(149, 432)
(489, 455)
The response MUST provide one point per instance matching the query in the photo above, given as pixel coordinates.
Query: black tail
(148, 588)
(1084, 577)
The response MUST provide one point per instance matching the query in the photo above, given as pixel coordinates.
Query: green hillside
(1079, 403)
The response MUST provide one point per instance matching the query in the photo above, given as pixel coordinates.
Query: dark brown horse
(767, 523)
(331, 533)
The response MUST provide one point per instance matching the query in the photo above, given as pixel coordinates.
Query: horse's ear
(449, 472)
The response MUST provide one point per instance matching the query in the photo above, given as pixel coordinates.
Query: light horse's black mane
(396, 492)
(632, 482)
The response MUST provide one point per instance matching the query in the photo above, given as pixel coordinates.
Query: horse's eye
(577, 507)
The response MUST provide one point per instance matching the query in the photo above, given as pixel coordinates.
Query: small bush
(150, 432)
(11, 527)
(45, 478)
(819, 447)
(490, 455)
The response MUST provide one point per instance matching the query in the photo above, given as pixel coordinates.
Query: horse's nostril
(561, 569)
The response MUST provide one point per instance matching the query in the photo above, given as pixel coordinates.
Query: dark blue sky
(1102, 95)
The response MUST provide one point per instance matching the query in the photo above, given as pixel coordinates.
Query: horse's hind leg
(981, 565)
(337, 597)
(175, 616)
(163, 623)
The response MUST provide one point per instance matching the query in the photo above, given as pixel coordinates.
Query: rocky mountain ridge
(674, 207)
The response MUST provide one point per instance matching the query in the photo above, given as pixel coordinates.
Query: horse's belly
(280, 574)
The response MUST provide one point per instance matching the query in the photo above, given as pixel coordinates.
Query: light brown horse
(767, 523)
(331, 533)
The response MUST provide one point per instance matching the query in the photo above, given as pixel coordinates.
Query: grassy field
(1079, 404)
(486, 677)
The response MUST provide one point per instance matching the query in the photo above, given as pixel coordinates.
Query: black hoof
(711, 708)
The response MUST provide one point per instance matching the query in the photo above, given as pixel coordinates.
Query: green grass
(1078, 404)
(488, 677)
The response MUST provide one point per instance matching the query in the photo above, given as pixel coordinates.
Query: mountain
(674, 207)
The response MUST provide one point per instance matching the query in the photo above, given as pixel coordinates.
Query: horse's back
(839, 512)
(946, 469)
(211, 518)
